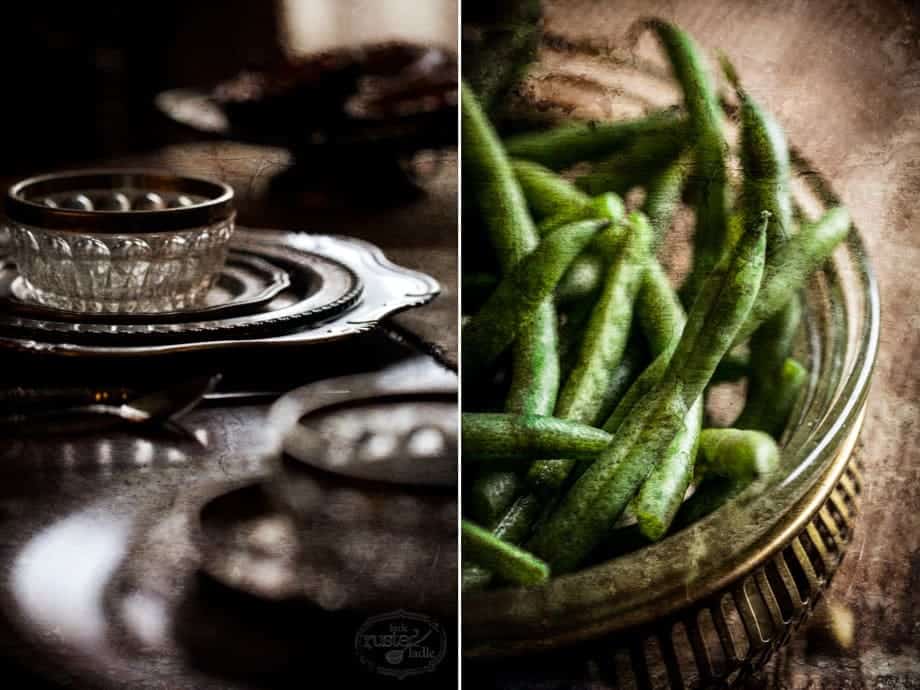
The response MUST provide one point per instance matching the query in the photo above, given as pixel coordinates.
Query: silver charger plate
(245, 282)
(380, 288)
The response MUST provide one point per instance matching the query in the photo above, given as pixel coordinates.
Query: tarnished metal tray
(339, 287)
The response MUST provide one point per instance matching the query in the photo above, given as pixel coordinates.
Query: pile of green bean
(585, 372)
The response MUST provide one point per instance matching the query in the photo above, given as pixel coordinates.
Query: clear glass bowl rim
(217, 207)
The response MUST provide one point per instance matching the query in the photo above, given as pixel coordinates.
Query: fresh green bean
(765, 163)
(499, 52)
(793, 263)
(607, 205)
(582, 280)
(769, 409)
(546, 192)
(635, 165)
(534, 359)
(608, 328)
(520, 294)
(566, 145)
(489, 176)
(663, 193)
(535, 364)
(662, 319)
(663, 491)
(491, 494)
(737, 453)
(766, 186)
(603, 491)
(584, 395)
(660, 314)
(514, 527)
(493, 436)
(505, 559)
(705, 117)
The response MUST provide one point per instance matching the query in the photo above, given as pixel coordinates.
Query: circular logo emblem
(401, 644)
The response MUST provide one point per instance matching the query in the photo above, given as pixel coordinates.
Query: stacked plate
(276, 287)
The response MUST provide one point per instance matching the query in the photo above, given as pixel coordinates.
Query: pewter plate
(379, 288)
(245, 283)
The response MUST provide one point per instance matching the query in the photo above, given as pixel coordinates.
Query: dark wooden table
(94, 530)
(844, 80)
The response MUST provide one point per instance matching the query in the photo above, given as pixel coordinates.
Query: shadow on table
(285, 644)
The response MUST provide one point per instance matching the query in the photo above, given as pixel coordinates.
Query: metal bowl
(119, 241)
(709, 604)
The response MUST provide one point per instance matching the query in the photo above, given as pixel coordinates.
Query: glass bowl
(118, 241)
(755, 554)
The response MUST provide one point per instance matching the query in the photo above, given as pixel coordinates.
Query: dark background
(79, 78)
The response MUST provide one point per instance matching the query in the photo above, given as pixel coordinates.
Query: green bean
(737, 453)
(663, 491)
(489, 176)
(705, 117)
(513, 528)
(534, 358)
(793, 263)
(641, 387)
(506, 43)
(769, 409)
(662, 319)
(658, 308)
(566, 145)
(582, 280)
(636, 164)
(546, 192)
(491, 494)
(505, 559)
(535, 364)
(766, 185)
(585, 393)
(492, 437)
(608, 328)
(520, 294)
(606, 205)
(601, 494)
(663, 195)
(765, 162)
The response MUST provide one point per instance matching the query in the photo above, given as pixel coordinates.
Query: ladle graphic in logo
(401, 644)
